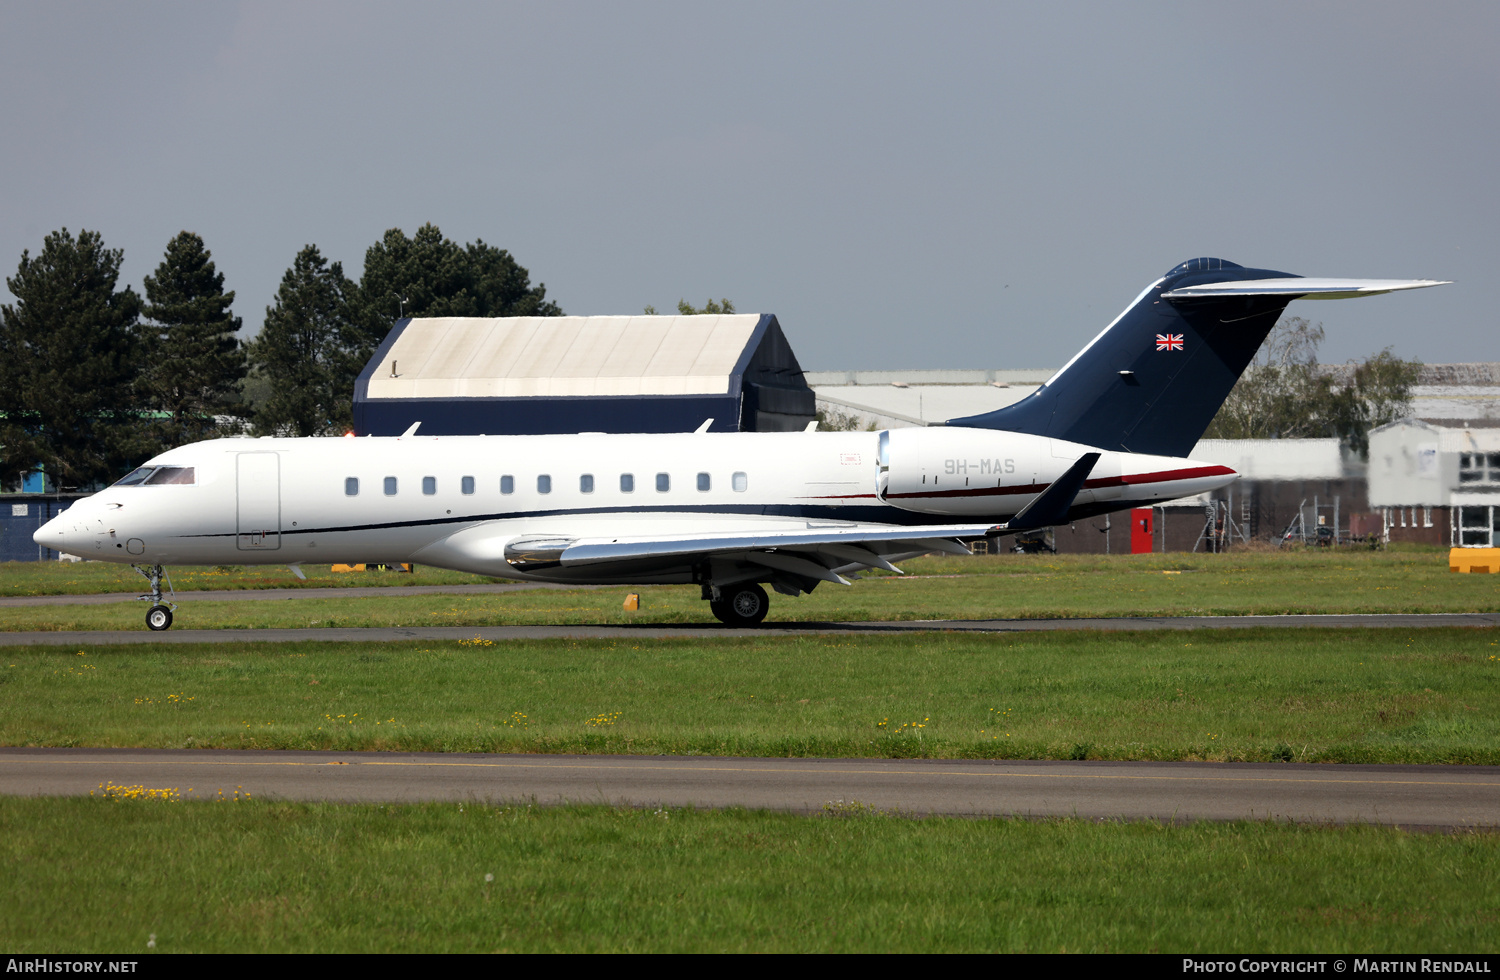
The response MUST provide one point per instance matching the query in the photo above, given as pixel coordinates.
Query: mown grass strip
(23, 578)
(1003, 587)
(251, 876)
(1338, 695)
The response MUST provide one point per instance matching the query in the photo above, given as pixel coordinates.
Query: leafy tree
(309, 350)
(1286, 394)
(195, 363)
(429, 275)
(722, 306)
(69, 357)
(1378, 392)
(686, 308)
(832, 419)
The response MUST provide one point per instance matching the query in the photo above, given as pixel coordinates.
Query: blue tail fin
(1156, 376)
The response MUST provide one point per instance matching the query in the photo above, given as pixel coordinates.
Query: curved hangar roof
(468, 375)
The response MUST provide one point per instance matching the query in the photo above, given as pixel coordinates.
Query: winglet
(1051, 505)
(704, 427)
(413, 430)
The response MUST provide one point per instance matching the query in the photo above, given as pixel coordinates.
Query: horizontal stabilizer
(1051, 505)
(1295, 287)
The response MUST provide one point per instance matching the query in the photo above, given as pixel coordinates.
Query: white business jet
(730, 512)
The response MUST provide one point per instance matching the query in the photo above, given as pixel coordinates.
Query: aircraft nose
(59, 534)
(50, 534)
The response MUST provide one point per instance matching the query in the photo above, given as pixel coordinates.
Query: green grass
(91, 875)
(98, 875)
(1344, 695)
(1006, 586)
(20, 578)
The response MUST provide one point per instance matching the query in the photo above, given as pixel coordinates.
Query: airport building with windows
(1438, 481)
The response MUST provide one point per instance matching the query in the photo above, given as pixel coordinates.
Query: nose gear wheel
(159, 616)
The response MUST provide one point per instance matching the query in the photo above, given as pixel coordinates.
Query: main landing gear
(159, 616)
(740, 605)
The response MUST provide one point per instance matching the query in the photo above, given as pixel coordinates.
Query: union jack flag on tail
(1169, 341)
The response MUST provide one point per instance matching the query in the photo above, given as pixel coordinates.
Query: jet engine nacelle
(958, 471)
(993, 474)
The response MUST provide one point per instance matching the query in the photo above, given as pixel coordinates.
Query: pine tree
(308, 351)
(196, 364)
(69, 356)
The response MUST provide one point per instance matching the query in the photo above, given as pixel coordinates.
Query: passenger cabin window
(390, 486)
(703, 483)
(351, 486)
(586, 483)
(663, 483)
(429, 485)
(627, 483)
(507, 484)
(740, 482)
(544, 484)
(466, 485)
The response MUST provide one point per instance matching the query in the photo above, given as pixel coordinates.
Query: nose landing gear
(159, 616)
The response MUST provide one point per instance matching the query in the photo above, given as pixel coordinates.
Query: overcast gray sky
(906, 185)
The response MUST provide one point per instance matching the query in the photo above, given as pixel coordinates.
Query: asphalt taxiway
(1417, 797)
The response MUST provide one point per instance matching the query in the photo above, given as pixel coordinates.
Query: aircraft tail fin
(1153, 380)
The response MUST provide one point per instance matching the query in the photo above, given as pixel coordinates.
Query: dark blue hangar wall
(766, 393)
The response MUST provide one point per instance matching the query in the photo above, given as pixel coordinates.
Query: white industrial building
(1432, 479)
(891, 399)
(1441, 477)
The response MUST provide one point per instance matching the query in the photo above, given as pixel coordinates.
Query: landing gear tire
(741, 605)
(158, 618)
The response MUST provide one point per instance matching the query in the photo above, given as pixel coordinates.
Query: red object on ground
(1141, 526)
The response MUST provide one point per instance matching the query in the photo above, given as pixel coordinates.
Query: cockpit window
(136, 476)
(170, 475)
(156, 476)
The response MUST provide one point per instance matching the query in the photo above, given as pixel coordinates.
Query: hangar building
(535, 375)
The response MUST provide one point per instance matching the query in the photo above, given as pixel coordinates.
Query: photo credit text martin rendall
(1337, 964)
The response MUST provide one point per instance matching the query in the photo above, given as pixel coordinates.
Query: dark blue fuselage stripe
(870, 515)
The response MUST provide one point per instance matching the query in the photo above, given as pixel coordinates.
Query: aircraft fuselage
(458, 501)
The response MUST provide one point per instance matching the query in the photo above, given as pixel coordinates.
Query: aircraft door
(258, 501)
